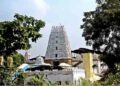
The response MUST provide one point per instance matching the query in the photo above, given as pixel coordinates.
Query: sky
(53, 12)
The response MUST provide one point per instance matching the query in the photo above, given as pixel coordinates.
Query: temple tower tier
(58, 48)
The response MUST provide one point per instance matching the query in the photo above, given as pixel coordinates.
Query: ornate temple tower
(58, 46)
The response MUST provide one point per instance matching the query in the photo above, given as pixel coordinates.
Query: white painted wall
(71, 75)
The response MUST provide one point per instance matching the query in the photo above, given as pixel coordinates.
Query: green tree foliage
(38, 80)
(101, 30)
(16, 34)
(6, 75)
(18, 59)
(111, 80)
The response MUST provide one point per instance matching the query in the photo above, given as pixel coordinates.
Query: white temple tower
(58, 46)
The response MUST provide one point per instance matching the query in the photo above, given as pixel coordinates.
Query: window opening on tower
(56, 55)
(56, 48)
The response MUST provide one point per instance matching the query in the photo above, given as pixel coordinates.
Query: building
(61, 77)
(58, 49)
(91, 61)
(60, 66)
(57, 66)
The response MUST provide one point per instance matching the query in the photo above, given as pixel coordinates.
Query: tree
(101, 30)
(16, 34)
(18, 59)
(39, 80)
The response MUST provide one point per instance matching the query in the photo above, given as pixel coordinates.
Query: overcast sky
(54, 12)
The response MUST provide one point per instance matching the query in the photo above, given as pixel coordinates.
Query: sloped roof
(85, 50)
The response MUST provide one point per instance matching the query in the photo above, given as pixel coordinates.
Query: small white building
(66, 77)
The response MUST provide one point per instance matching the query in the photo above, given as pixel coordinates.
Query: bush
(112, 80)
